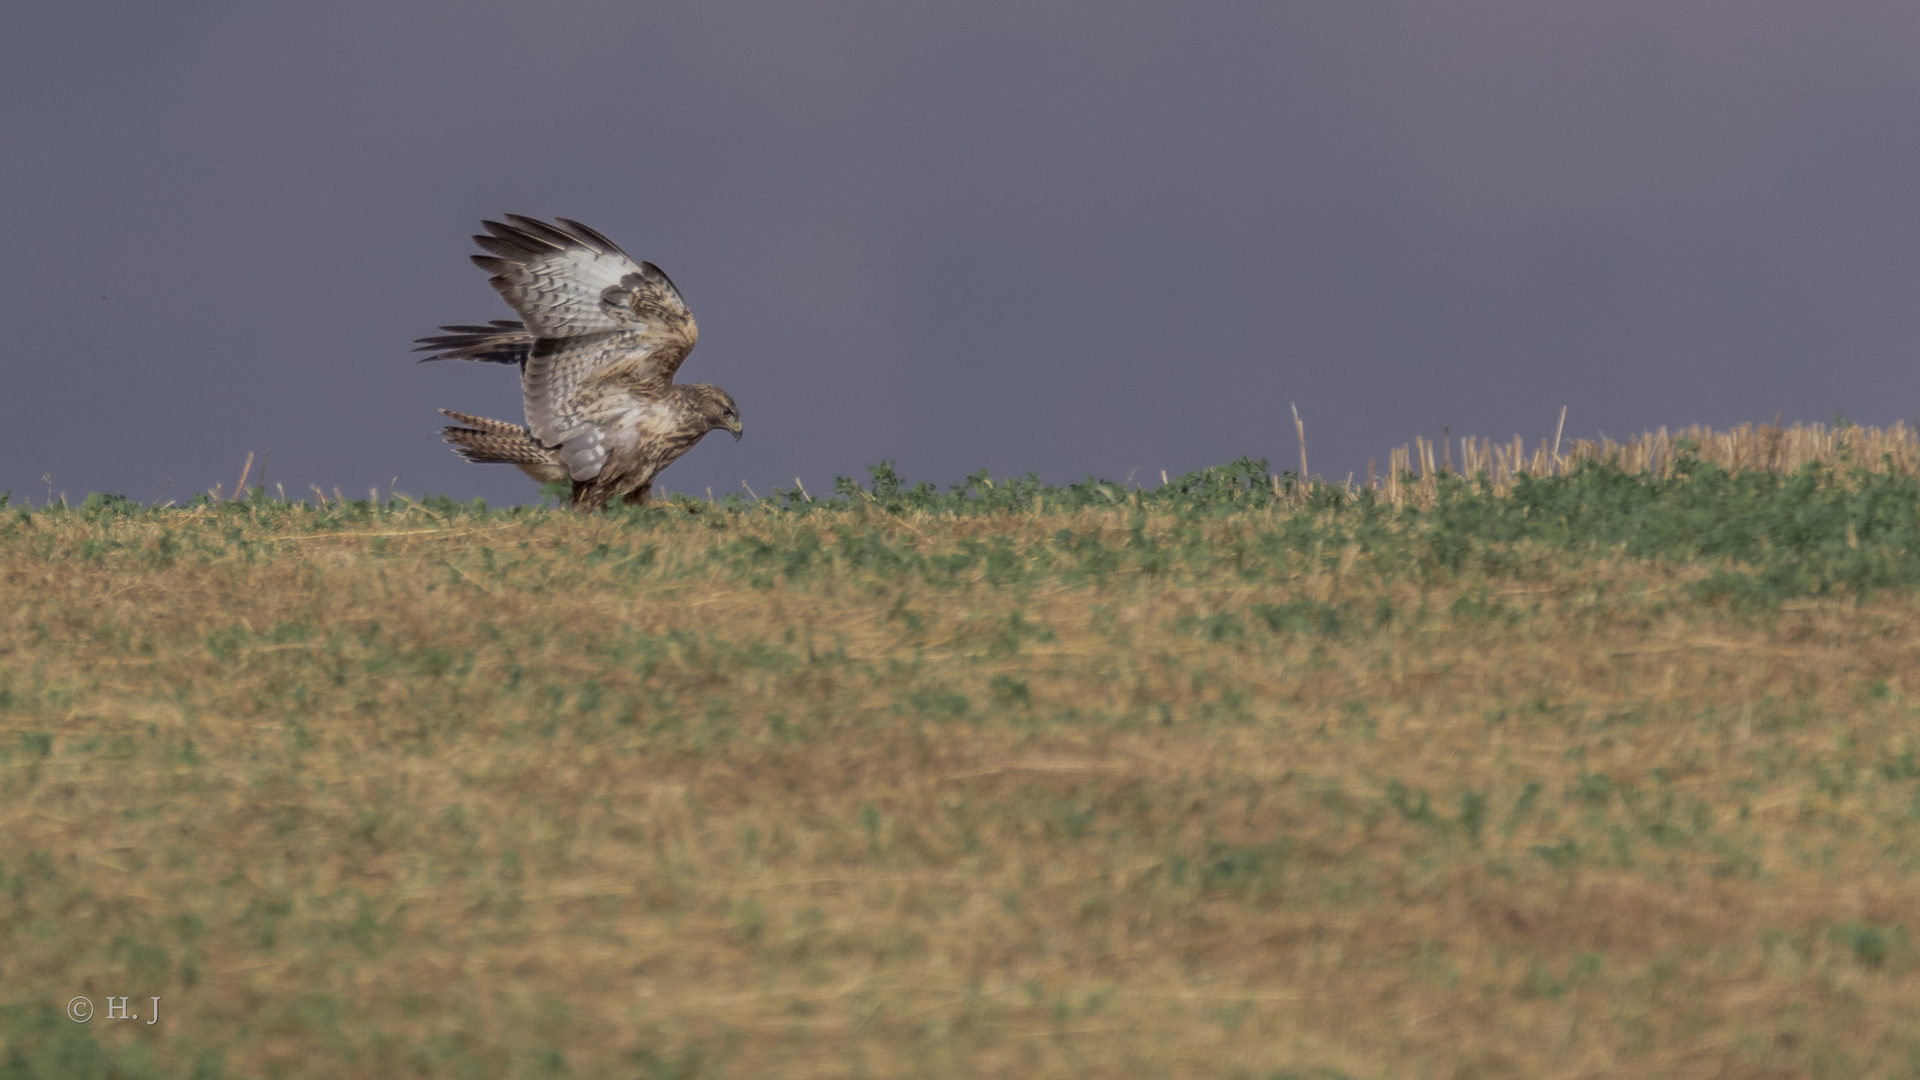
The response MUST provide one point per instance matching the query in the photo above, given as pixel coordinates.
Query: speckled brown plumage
(599, 340)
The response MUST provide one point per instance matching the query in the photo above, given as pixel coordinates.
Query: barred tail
(496, 441)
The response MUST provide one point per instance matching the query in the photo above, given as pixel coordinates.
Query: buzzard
(597, 343)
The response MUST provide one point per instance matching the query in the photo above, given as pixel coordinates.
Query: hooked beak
(736, 427)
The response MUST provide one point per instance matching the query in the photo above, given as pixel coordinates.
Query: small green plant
(1870, 944)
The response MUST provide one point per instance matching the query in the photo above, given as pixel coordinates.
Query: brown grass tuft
(1762, 447)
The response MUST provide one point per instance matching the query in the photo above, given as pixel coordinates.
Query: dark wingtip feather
(493, 326)
(506, 249)
(544, 231)
(592, 234)
(654, 271)
(504, 341)
(519, 240)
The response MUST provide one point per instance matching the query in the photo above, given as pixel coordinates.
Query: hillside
(1605, 763)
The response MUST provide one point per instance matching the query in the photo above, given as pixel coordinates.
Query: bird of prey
(598, 342)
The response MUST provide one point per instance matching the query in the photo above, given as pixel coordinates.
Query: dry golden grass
(1767, 447)
(395, 793)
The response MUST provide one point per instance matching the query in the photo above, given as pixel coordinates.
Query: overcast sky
(1072, 238)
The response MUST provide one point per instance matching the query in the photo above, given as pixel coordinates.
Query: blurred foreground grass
(1610, 773)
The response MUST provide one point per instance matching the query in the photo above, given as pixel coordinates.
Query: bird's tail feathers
(487, 442)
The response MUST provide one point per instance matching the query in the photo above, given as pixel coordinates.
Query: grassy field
(1588, 769)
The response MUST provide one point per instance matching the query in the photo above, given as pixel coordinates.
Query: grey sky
(1071, 238)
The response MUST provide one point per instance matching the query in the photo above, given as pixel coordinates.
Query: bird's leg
(589, 496)
(639, 496)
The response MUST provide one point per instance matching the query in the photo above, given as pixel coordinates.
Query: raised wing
(597, 319)
(502, 341)
(573, 399)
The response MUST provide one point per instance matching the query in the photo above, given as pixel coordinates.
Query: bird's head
(717, 408)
